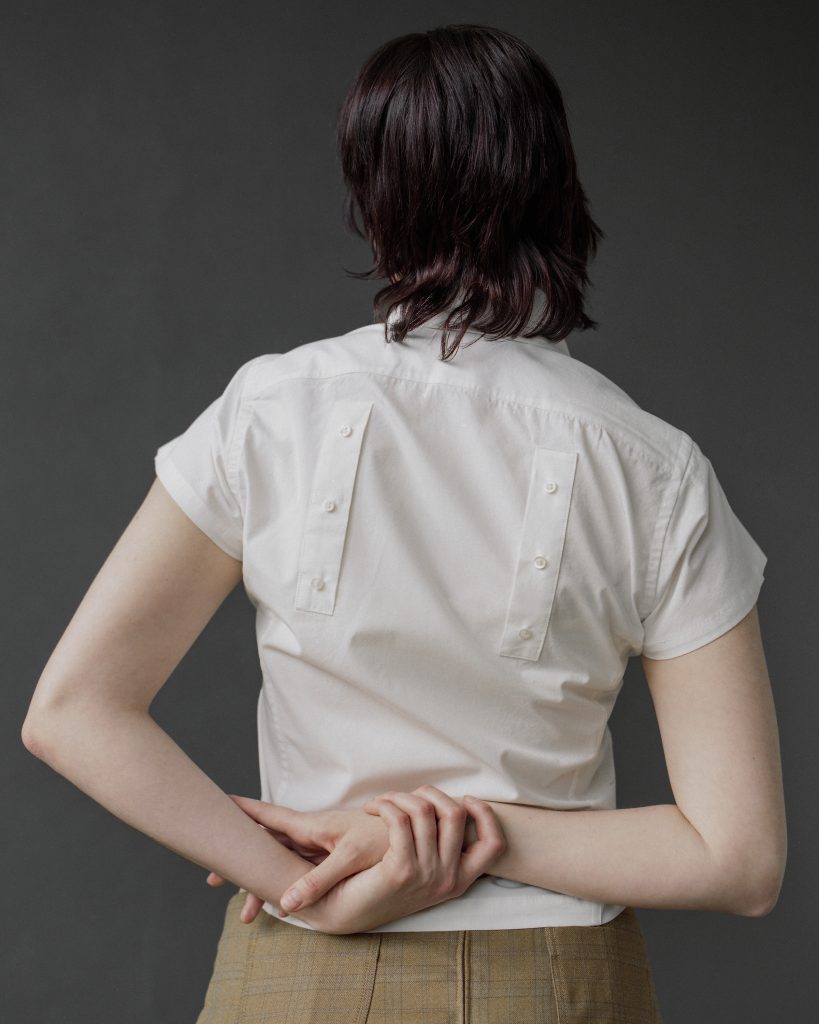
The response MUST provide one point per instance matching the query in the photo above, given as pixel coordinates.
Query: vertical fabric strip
(542, 537)
(328, 510)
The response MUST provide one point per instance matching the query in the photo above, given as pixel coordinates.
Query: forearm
(634, 856)
(129, 765)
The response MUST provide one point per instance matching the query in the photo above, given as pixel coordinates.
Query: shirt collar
(538, 307)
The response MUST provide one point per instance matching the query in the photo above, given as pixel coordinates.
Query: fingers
(489, 845)
(430, 833)
(273, 816)
(288, 826)
(423, 827)
(253, 904)
(402, 850)
(418, 854)
(249, 912)
(450, 825)
(342, 862)
(452, 819)
(436, 825)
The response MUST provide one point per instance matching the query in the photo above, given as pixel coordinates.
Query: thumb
(313, 885)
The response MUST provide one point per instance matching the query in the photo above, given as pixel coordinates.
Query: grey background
(172, 207)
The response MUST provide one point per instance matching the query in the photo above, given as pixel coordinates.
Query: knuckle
(496, 841)
(444, 885)
(497, 845)
(308, 885)
(429, 881)
(351, 845)
(429, 790)
(403, 874)
(440, 891)
(449, 882)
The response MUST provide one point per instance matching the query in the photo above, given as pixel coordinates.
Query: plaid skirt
(272, 972)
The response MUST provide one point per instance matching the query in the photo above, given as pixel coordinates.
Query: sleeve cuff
(192, 505)
(714, 629)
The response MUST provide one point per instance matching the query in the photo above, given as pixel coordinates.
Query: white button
(346, 430)
(525, 634)
(551, 487)
(317, 583)
(540, 562)
(329, 505)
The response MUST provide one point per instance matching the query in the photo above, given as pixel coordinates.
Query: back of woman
(451, 563)
(455, 535)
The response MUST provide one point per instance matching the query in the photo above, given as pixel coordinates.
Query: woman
(453, 544)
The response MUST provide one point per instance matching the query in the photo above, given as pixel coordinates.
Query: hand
(349, 857)
(425, 864)
(341, 842)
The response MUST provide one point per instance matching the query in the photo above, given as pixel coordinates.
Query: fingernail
(291, 899)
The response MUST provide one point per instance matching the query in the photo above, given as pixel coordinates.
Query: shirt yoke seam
(493, 396)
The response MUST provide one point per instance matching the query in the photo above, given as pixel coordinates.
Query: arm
(723, 845)
(89, 716)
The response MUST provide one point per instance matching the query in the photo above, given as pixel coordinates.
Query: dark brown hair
(455, 148)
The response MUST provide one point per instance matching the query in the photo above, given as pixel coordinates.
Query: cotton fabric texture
(266, 971)
(451, 564)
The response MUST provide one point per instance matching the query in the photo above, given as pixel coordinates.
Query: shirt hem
(587, 914)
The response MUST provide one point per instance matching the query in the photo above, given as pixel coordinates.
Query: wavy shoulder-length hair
(455, 149)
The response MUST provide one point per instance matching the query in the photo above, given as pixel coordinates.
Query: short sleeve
(710, 569)
(198, 468)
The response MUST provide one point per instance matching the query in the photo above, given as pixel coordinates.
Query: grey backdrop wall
(172, 207)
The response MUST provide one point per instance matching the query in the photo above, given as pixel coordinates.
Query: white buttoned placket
(326, 522)
(546, 516)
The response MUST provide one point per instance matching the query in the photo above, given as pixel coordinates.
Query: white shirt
(451, 564)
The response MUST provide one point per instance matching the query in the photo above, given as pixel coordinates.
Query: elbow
(754, 892)
(761, 898)
(748, 870)
(30, 736)
(33, 735)
(39, 716)
(45, 720)
(765, 902)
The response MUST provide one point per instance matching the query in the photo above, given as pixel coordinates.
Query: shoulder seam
(240, 426)
(665, 511)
